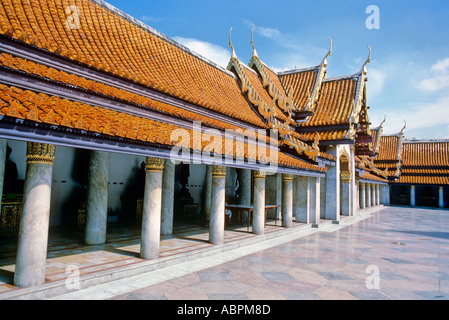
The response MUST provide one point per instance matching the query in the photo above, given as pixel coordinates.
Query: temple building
(104, 119)
(424, 178)
(417, 170)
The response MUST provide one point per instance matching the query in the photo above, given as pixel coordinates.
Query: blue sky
(409, 72)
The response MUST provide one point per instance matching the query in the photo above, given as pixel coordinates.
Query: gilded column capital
(218, 171)
(287, 177)
(40, 153)
(259, 174)
(346, 176)
(154, 164)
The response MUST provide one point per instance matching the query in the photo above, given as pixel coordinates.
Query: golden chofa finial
(234, 56)
(367, 60)
(405, 126)
(252, 43)
(385, 119)
(329, 53)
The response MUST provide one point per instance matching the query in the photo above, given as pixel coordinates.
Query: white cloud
(148, 19)
(289, 52)
(441, 65)
(268, 32)
(439, 78)
(426, 116)
(210, 51)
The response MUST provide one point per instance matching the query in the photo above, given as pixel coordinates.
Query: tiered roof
(113, 77)
(425, 162)
(389, 149)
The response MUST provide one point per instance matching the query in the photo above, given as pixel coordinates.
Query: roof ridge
(159, 34)
(344, 77)
(427, 141)
(282, 73)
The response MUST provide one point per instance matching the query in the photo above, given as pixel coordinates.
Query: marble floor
(397, 253)
(66, 248)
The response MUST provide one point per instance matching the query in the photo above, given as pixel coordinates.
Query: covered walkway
(119, 257)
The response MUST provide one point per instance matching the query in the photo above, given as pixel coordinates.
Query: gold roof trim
(268, 112)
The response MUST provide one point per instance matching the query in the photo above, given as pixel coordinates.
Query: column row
(373, 195)
(300, 199)
(440, 196)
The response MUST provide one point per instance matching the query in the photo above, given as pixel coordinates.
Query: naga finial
(234, 56)
(252, 43)
(329, 53)
(367, 60)
(385, 119)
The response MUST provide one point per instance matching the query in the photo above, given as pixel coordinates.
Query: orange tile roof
(113, 43)
(53, 110)
(327, 135)
(426, 154)
(433, 180)
(425, 171)
(368, 176)
(388, 148)
(301, 84)
(336, 103)
(30, 67)
(425, 162)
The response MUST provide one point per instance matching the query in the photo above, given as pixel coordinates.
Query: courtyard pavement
(397, 253)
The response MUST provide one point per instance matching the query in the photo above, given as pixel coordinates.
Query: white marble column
(412, 196)
(245, 187)
(207, 195)
(217, 214)
(244, 176)
(315, 200)
(377, 195)
(362, 195)
(302, 199)
(33, 233)
(332, 211)
(323, 198)
(386, 195)
(441, 197)
(345, 194)
(152, 200)
(368, 195)
(287, 200)
(168, 192)
(259, 203)
(97, 198)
